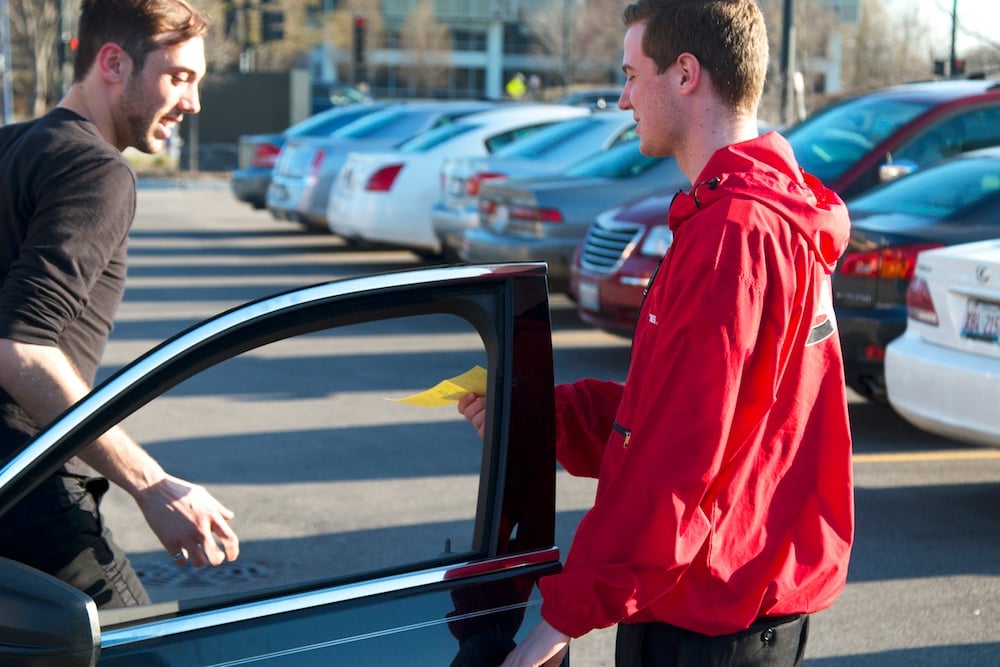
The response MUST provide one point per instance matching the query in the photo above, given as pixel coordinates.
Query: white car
(943, 374)
(387, 197)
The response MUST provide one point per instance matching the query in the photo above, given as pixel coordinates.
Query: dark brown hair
(728, 37)
(138, 26)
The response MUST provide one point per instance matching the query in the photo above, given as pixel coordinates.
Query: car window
(387, 124)
(969, 130)
(550, 139)
(432, 138)
(937, 192)
(829, 143)
(329, 122)
(513, 136)
(622, 161)
(321, 491)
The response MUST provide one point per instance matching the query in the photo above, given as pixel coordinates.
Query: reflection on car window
(827, 144)
(328, 475)
(545, 141)
(387, 124)
(937, 192)
(432, 138)
(966, 131)
(622, 161)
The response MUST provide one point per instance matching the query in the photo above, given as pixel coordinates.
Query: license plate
(982, 321)
(587, 295)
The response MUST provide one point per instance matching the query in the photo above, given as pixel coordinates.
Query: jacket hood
(765, 169)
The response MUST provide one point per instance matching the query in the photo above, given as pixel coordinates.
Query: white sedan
(387, 197)
(943, 374)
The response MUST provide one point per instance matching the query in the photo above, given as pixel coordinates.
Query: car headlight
(657, 241)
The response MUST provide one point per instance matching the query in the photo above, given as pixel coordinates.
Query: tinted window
(388, 124)
(551, 138)
(622, 161)
(335, 493)
(428, 140)
(969, 130)
(829, 143)
(937, 192)
(329, 122)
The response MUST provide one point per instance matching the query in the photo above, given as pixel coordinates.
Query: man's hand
(544, 646)
(190, 522)
(473, 408)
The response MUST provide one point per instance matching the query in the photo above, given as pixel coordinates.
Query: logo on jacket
(824, 323)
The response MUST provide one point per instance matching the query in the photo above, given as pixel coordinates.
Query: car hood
(764, 169)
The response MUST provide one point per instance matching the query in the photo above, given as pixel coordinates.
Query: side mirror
(44, 621)
(890, 171)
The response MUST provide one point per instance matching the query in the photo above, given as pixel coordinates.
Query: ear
(690, 73)
(114, 64)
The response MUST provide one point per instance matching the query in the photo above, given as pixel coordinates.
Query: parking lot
(924, 587)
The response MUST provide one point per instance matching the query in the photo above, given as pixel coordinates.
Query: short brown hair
(138, 26)
(728, 37)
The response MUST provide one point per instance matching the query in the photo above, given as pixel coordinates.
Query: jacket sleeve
(585, 412)
(654, 510)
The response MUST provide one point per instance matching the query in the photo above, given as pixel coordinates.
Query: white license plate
(982, 321)
(588, 295)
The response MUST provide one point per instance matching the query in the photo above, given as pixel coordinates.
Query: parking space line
(957, 455)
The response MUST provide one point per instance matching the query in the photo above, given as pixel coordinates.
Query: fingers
(473, 408)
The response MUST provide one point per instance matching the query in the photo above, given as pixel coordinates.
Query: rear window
(546, 140)
(936, 192)
(829, 143)
(623, 161)
(436, 137)
(327, 122)
(387, 124)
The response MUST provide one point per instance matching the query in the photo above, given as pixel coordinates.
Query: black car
(950, 202)
(445, 574)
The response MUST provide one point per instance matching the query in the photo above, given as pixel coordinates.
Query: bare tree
(885, 51)
(586, 36)
(34, 27)
(428, 42)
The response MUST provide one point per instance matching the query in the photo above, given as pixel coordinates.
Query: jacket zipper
(624, 431)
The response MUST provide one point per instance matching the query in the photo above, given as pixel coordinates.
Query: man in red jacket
(724, 508)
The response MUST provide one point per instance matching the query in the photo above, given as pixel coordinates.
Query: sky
(978, 20)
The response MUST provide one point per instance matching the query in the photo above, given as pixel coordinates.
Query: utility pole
(787, 60)
(5, 64)
(952, 69)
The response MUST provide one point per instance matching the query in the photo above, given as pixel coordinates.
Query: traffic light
(359, 49)
(958, 67)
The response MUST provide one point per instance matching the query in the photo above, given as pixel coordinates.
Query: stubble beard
(137, 120)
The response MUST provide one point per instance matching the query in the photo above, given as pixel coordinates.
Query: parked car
(853, 146)
(548, 151)
(862, 141)
(324, 95)
(952, 202)
(445, 576)
(308, 166)
(598, 98)
(387, 197)
(941, 374)
(257, 153)
(545, 219)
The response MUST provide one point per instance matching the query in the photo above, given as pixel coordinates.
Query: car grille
(605, 245)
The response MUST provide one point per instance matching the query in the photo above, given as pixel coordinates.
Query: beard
(137, 120)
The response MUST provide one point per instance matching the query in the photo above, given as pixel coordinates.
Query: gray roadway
(924, 583)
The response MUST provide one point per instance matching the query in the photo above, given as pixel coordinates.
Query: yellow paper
(447, 392)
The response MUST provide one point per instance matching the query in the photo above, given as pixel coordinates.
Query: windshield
(936, 192)
(829, 143)
(622, 161)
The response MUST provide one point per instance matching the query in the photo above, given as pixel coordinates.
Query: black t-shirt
(67, 201)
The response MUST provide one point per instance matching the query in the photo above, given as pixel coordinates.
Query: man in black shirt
(67, 201)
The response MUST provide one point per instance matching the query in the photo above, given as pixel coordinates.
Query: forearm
(43, 381)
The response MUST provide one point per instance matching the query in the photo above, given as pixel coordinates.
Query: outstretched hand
(473, 408)
(190, 523)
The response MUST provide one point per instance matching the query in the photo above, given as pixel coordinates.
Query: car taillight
(382, 180)
(317, 162)
(919, 304)
(891, 263)
(265, 155)
(535, 214)
(475, 182)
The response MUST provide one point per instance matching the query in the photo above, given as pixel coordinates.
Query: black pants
(57, 529)
(770, 642)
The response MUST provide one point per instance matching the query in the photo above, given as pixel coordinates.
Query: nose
(623, 100)
(191, 101)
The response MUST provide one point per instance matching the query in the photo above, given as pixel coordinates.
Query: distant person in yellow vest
(516, 87)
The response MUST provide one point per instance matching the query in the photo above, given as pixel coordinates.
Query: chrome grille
(606, 242)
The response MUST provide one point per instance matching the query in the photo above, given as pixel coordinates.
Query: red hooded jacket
(724, 462)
